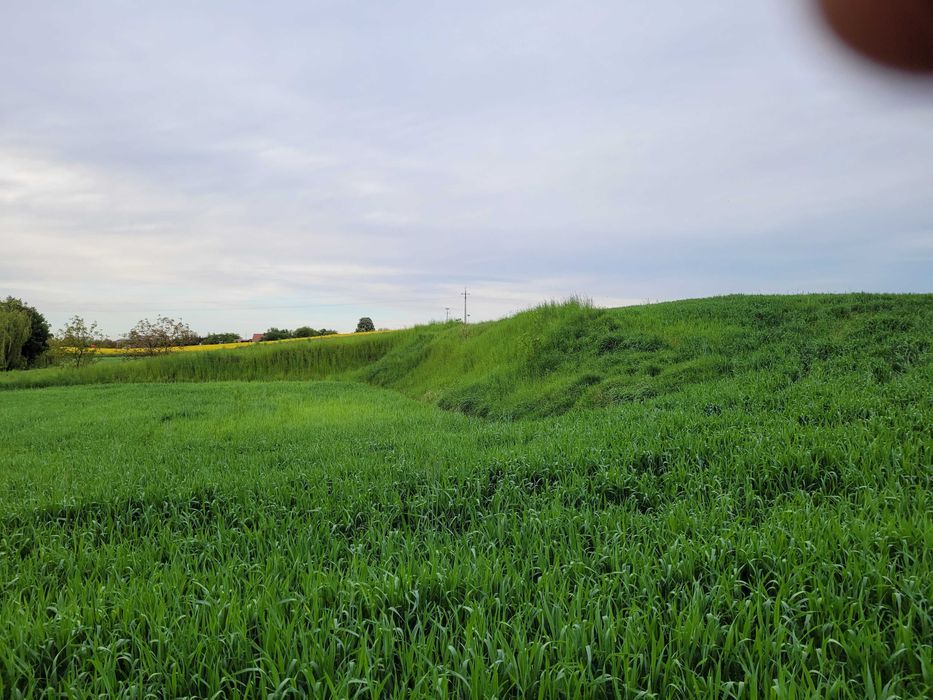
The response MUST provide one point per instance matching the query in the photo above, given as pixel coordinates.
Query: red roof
(258, 336)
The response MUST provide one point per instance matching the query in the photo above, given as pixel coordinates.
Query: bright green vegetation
(715, 498)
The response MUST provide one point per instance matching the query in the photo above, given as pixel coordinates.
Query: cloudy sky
(244, 165)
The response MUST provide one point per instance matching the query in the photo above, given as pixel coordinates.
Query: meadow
(725, 497)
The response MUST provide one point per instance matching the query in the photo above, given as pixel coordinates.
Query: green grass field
(726, 497)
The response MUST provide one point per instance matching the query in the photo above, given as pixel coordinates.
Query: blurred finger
(896, 33)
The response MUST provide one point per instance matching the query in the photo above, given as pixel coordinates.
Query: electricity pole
(465, 294)
(446, 314)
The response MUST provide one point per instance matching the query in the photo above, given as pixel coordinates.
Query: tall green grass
(734, 540)
(720, 498)
(314, 359)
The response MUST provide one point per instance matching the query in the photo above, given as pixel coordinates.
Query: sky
(242, 165)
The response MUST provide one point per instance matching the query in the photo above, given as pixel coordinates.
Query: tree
(276, 334)
(37, 342)
(219, 338)
(15, 327)
(365, 325)
(77, 342)
(308, 332)
(159, 336)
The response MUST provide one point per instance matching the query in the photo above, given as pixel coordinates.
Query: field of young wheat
(727, 497)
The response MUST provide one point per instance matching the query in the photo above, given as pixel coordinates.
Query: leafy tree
(37, 343)
(15, 327)
(365, 325)
(308, 332)
(218, 338)
(159, 336)
(276, 334)
(77, 342)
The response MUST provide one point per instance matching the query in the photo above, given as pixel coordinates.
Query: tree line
(301, 332)
(26, 340)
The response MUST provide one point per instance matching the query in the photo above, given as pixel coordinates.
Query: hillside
(559, 356)
(555, 357)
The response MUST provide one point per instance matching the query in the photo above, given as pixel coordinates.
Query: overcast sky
(244, 165)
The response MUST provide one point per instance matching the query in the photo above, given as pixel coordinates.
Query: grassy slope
(752, 506)
(549, 359)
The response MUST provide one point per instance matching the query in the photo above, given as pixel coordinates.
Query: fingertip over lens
(895, 33)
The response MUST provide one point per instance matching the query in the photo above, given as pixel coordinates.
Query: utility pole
(446, 314)
(465, 294)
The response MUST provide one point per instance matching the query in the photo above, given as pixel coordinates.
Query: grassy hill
(559, 356)
(715, 498)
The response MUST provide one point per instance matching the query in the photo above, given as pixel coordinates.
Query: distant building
(258, 336)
